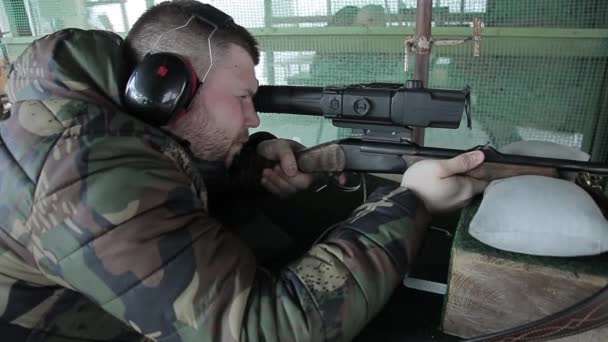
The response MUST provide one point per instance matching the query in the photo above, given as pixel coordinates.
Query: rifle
(382, 116)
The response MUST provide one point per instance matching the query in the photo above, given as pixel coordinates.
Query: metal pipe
(268, 53)
(422, 39)
(597, 141)
(4, 51)
(125, 16)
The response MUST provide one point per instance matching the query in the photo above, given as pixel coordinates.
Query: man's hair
(189, 41)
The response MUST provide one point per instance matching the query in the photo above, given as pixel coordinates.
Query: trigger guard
(347, 187)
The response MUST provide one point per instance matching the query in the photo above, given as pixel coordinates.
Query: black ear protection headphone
(163, 84)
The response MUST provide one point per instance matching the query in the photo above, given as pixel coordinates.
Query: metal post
(597, 142)
(125, 18)
(268, 53)
(4, 51)
(422, 41)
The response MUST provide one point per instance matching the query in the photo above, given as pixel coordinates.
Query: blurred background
(540, 74)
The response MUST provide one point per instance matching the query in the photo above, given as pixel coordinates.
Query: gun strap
(585, 315)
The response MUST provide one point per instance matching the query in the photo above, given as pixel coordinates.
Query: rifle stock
(355, 155)
(491, 171)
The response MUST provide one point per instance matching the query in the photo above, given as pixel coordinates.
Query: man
(105, 229)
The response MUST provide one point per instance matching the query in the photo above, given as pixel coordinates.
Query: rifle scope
(386, 104)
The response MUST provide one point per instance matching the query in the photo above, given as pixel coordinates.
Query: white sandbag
(540, 215)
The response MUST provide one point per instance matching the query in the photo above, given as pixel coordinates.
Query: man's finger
(300, 181)
(280, 188)
(281, 180)
(270, 187)
(280, 150)
(342, 179)
(287, 156)
(285, 188)
(289, 164)
(275, 184)
(461, 163)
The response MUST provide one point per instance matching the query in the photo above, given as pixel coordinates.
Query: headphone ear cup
(193, 85)
(161, 85)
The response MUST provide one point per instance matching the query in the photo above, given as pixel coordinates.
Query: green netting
(545, 82)
(541, 73)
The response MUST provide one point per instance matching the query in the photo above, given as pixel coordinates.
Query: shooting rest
(490, 290)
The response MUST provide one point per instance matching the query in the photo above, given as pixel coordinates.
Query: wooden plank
(489, 294)
(491, 290)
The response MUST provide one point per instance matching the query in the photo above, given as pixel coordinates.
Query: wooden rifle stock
(491, 170)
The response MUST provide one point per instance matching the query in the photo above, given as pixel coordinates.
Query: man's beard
(206, 140)
(211, 145)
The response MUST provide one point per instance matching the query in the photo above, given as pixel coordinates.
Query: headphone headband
(215, 16)
(163, 84)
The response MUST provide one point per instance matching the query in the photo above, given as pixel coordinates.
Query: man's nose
(252, 119)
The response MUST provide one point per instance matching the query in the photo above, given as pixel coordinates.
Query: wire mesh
(544, 86)
(541, 73)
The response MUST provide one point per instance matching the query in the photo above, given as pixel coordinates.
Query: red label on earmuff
(162, 71)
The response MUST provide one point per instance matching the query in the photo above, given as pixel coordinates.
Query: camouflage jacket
(105, 233)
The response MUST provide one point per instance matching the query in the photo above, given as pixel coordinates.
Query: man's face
(217, 124)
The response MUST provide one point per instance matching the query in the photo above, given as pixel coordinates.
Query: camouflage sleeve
(118, 222)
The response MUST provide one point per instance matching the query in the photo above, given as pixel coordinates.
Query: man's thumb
(461, 163)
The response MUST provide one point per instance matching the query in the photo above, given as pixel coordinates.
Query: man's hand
(285, 178)
(440, 186)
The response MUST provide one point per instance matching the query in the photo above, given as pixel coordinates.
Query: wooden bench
(491, 290)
